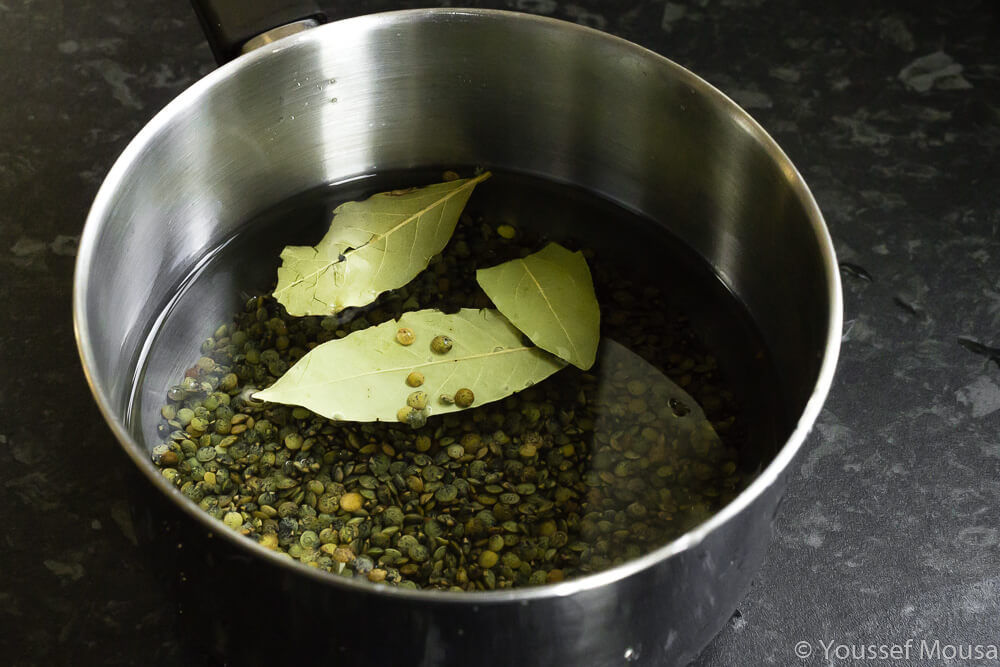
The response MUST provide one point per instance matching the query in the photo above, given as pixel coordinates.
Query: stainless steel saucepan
(458, 87)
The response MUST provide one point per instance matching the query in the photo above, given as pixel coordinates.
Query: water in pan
(574, 475)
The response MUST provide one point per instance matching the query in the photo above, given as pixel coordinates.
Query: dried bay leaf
(681, 418)
(362, 377)
(372, 246)
(549, 295)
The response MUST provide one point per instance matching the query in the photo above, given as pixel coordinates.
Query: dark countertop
(891, 525)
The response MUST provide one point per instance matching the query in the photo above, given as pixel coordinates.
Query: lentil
(556, 481)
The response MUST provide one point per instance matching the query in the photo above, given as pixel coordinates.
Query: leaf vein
(426, 364)
(548, 303)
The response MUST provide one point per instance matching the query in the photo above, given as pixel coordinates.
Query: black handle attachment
(229, 24)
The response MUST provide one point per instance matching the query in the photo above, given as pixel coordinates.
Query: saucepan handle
(237, 26)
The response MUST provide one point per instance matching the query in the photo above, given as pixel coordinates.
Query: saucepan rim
(129, 159)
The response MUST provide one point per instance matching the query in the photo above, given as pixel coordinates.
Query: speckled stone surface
(891, 527)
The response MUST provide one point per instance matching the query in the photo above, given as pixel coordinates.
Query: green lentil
(184, 416)
(556, 481)
(441, 344)
(506, 232)
(405, 336)
(176, 393)
(351, 502)
(464, 397)
(405, 413)
(488, 559)
(417, 400)
(205, 454)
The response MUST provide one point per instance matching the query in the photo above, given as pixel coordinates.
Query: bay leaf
(372, 246)
(681, 419)
(549, 295)
(362, 377)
